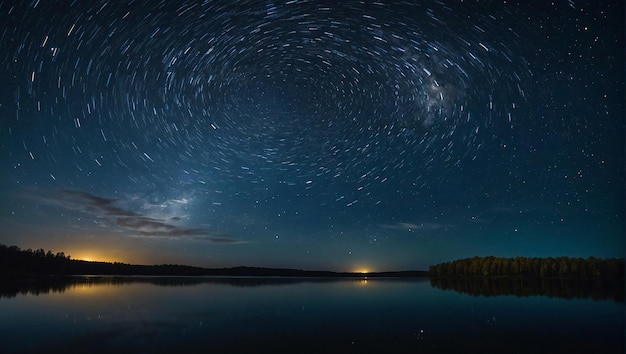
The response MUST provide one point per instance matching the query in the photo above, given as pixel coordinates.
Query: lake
(277, 315)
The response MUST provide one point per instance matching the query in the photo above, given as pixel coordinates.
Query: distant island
(15, 262)
(562, 277)
(559, 267)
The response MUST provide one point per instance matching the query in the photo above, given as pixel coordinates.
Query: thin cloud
(143, 223)
(195, 234)
(135, 224)
(406, 226)
(104, 206)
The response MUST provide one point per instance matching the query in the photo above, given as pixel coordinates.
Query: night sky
(308, 134)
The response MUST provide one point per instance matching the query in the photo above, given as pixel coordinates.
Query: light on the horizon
(90, 257)
(94, 253)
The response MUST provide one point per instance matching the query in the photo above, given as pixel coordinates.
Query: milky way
(248, 121)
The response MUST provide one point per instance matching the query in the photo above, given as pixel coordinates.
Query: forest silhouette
(563, 277)
(15, 262)
(559, 267)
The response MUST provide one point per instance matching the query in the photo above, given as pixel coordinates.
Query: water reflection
(293, 315)
(521, 287)
(12, 287)
(595, 289)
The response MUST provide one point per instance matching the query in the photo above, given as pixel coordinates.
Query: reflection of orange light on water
(86, 288)
(363, 282)
(96, 288)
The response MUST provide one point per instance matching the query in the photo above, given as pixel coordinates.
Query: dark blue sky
(310, 134)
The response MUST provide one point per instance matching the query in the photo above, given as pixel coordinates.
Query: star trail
(312, 134)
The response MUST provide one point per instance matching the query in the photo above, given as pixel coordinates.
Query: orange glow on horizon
(91, 256)
(90, 259)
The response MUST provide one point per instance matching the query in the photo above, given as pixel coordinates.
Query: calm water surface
(167, 315)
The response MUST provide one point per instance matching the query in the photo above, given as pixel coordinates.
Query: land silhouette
(563, 277)
(550, 267)
(15, 262)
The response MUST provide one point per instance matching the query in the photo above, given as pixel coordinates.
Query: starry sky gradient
(310, 134)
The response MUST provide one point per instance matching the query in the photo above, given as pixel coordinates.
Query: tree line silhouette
(18, 263)
(15, 262)
(559, 267)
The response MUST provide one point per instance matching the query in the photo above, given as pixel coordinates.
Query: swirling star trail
(312, 134)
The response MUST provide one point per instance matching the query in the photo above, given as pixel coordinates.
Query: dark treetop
(559, 267)
(16, 262)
